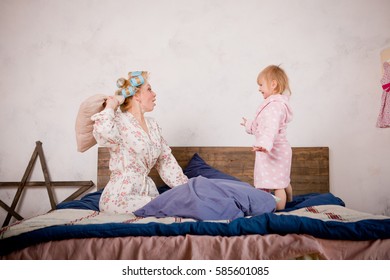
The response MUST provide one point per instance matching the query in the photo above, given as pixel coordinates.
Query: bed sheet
(200, 247)
(331, 221)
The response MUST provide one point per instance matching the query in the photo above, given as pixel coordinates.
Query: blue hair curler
(131, 91)
(136, 73)
(136, 78)
(137, 81)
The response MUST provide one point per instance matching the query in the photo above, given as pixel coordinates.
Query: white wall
(204, 56)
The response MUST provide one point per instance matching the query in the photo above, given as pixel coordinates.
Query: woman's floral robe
(133, 153)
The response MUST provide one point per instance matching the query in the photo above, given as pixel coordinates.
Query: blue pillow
(88, 202)
(198, 167)
(313, 199)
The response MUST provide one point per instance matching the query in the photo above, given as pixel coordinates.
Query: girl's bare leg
(281, 193)
(289, 193)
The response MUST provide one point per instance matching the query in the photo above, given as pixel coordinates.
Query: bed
(315, 225)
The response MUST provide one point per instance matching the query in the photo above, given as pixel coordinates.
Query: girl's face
(265, 87)
(147, 97)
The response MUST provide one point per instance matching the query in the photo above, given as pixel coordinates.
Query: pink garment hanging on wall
(384, 114)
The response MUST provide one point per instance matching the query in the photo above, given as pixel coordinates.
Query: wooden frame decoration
(38, 152)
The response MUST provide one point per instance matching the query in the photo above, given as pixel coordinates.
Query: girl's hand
(258, 149)
(112, 102)
(243, 123)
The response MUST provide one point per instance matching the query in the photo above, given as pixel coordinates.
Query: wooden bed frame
(309, 172)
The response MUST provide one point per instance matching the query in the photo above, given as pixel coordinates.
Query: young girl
(273, 151)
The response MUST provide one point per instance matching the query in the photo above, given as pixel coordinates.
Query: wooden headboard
(309, 172)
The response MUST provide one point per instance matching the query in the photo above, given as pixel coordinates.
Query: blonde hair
(124, 84)
(275, 73)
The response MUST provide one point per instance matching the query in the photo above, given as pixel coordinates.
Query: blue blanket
(210, 199)
(266, 223)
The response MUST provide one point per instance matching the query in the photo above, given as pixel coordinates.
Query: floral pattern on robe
(133, 153)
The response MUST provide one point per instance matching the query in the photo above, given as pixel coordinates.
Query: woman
(136, 146)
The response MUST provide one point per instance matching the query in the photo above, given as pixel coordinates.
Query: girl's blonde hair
(275, 73)
(124, 84)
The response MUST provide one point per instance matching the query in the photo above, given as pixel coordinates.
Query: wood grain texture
(309, 171)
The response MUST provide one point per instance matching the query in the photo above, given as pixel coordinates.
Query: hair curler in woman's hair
(129, 87)
(125, 89)
(120, 83)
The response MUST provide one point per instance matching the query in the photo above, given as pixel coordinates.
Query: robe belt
(386, 87)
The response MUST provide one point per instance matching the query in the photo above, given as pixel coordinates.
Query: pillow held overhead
(84, 125)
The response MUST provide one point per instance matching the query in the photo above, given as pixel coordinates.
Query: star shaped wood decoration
(38, 153)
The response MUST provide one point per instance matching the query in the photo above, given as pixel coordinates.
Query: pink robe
(272, 168)
(384, 113)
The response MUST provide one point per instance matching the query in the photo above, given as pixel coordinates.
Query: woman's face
(147, 97)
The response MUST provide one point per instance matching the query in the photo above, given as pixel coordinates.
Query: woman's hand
(112, 102)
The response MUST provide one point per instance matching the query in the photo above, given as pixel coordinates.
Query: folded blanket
(210, 199)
